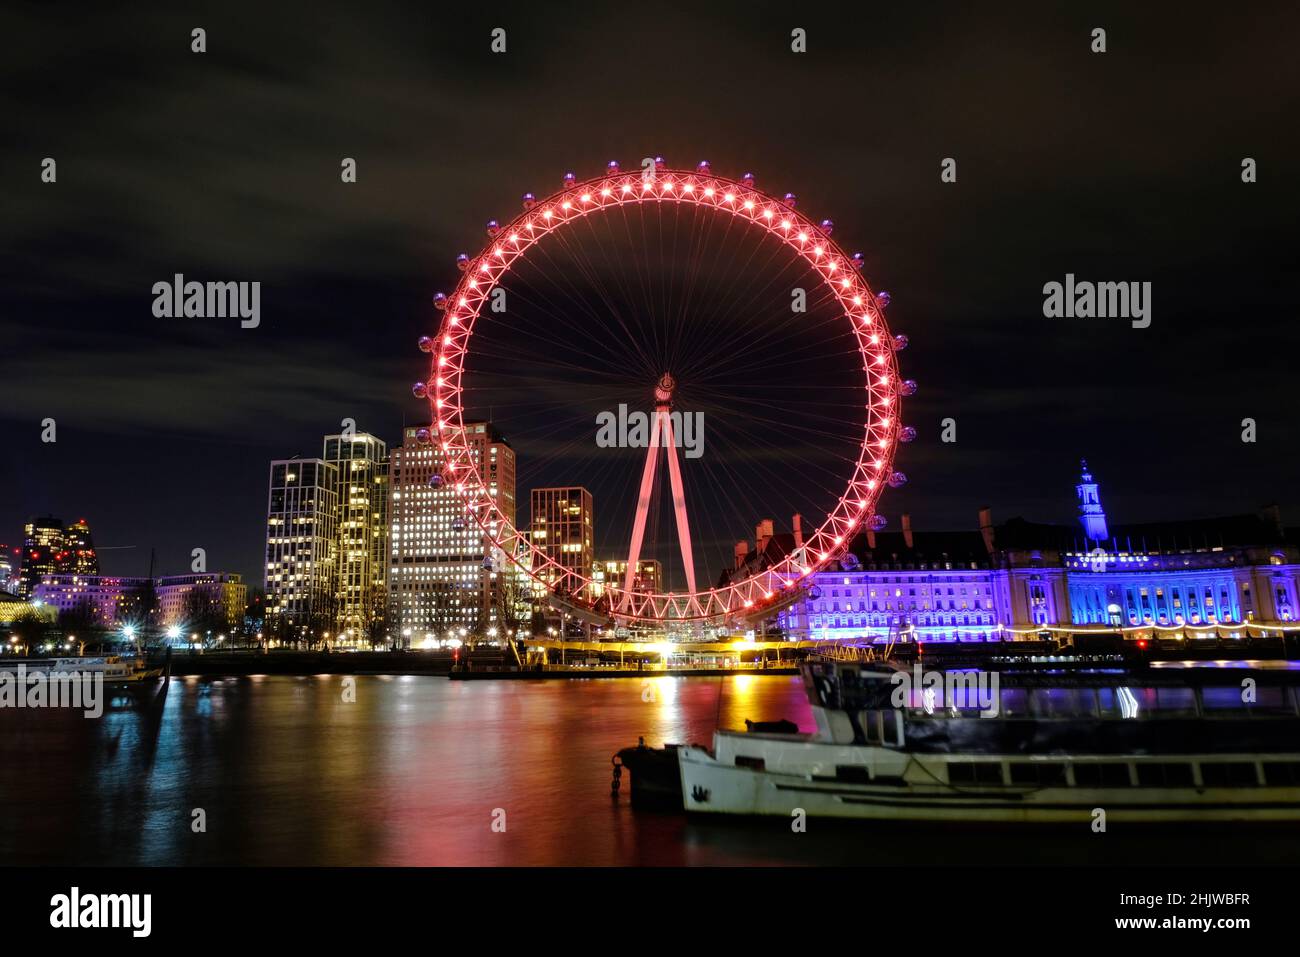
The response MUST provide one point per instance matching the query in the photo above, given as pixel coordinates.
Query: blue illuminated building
(1229, 576)
(1090, 511)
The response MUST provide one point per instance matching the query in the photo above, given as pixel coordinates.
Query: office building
(444, 576)
(302, 547)
(360, 463)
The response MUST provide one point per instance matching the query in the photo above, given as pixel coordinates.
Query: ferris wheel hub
(664, 388)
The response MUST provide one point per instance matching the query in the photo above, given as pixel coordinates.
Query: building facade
(79, 549)
(112, 602)
(51, 548)
(361, 492)
(648, 578)
(1228, 575)
(214, 599)
(443, 573)
(103, 601)
(9, 561)
(301, 548)
(562, 523)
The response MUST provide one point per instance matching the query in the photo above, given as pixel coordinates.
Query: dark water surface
(287, 772)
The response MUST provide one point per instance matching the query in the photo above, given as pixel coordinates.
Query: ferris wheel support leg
(679, 501)
(642, 508)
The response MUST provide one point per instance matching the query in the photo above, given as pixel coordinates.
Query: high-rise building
(360, 463)
(301, 547)
(648, 578)
(443, 575)
(9, 559)
(561, 527)
(44, 553)
(51, 548)
(79, 547)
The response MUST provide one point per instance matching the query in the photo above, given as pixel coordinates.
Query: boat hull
(655, 774)
(710, 786)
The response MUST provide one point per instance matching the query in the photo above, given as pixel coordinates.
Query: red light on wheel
(804, 240)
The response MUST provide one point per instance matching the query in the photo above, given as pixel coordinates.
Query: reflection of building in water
(1194, 575)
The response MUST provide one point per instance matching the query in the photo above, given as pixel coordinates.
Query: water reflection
(287, 772)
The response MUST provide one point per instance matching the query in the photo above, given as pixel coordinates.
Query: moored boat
(115, 669)
(1133, 748)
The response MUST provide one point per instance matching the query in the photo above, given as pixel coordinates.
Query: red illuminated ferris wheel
(873, 425)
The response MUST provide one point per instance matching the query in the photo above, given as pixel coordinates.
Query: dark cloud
(225, 166)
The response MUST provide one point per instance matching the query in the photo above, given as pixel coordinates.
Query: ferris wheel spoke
(785, 325)
(613, 282)
(613, 312)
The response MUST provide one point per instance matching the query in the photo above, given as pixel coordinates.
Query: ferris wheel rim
(812, 242)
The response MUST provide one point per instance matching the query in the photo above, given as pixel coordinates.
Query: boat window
(1014, 702)
(1115, 702)
(975, 772)
(1171, 774)
(891, 734)
(1101, 775)
(1282, 773)
(1228, 774)
(1267, 699)
(1038, 773)
(852, 772)
(1176, 701)
(1061, 702)
(870, 721)
(1143, 698)
(1228, 699)
(745, 761)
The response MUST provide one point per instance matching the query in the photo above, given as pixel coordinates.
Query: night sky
(1123, 166)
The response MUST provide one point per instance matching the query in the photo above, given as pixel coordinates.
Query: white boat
(116, 669)
(1178, 752)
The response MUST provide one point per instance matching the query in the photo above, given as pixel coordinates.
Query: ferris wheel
(610, 284)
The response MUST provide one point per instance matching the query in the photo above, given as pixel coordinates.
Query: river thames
(415, 770)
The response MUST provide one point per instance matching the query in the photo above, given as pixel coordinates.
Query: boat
(117, 670)
(656, 778)
(1056, 749)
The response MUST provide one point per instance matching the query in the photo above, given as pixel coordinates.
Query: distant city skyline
(134, 560)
